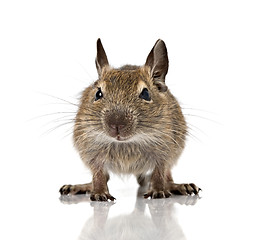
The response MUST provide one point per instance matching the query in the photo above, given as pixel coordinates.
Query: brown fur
(152, 132)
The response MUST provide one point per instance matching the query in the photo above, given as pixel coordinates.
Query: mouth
(120, 138)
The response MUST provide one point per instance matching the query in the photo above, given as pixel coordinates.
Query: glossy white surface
(216, 71)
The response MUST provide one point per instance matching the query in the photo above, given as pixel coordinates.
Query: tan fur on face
(141, 86)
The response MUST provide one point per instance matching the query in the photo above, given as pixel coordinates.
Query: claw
(157, 194)
(65, 189)
(101, 197)
(195, 188)
(185, 189)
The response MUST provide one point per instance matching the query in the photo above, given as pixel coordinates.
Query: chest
(129, 159)
(132, 158)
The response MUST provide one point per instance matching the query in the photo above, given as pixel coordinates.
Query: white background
(216, 52)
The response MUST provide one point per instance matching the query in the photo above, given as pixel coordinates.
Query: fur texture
(117, 130)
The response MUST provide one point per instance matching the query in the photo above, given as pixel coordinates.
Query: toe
(189, 189)
(167, 194)
(110, 197)
(101, 197)
(65, 189)
(147, 195)
(196, 189)
(159, 194)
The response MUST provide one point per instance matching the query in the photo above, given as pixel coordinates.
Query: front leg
(157, 184)
(99, 187)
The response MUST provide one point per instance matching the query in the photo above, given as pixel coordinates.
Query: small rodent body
(128, 122)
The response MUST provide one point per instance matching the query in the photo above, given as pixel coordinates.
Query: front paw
(157, 194)
(102, 197)
(76, 189)
(184, 189)
(70, 190)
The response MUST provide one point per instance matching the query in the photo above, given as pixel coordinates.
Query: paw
(157, 194)
(184, 189)
(75, 189)
(102, 197)
(68, 190)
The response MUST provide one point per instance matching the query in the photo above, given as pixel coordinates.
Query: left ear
(101, 60)
(158, 62)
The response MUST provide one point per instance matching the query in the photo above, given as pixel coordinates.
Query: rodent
(128, 122)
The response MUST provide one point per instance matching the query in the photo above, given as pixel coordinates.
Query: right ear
(101, 58)
(158, 62)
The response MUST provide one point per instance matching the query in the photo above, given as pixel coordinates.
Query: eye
(98, 94)
(145, 94)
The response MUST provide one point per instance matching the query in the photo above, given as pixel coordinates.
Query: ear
(158, 62)
(101, 58)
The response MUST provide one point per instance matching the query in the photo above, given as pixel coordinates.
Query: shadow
(160, 223)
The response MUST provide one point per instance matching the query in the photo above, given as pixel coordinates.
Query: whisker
(165, 134)
(61, 99)
(204, 118)
(57, 127)
(188, 133)
(50, 114)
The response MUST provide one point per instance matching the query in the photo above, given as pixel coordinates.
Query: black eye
(98, 94)
(145, 94)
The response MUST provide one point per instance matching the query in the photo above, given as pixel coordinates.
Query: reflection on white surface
(160, 223)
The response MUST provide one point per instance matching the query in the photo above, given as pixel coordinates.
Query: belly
(132, 158)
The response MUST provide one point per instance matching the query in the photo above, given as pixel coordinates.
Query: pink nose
(118, 123)
(117, 126)
(115, 129)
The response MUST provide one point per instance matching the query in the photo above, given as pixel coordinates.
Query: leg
(180, 189)
(143, 179)
(157, 184)
(99, 187)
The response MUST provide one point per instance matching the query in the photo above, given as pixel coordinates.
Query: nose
(117, 123)
(116, 129)
(117, 126)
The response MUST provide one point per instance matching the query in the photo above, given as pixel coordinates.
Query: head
(124, 104)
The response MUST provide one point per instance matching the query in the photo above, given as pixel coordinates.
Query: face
(127, 104)
(122, 105)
